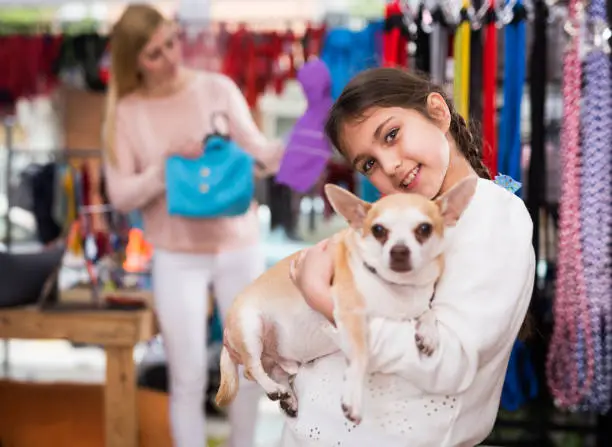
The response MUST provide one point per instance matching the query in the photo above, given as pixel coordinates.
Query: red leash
(489, 106)
(395, 37)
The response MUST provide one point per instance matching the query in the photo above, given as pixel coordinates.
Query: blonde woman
(156, 107)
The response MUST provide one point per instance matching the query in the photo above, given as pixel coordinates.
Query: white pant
(180, 286)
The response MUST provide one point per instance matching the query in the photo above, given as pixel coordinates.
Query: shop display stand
(8, 122)
(116, 330)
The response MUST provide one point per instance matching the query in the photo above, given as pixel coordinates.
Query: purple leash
(596, 205)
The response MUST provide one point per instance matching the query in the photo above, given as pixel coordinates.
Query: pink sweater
(146, 128)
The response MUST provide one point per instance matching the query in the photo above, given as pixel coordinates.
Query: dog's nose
(400, 258)
(399, 252)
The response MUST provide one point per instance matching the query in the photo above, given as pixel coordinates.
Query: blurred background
(53, 77)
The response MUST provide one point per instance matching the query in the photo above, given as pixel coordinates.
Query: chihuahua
(386, 264)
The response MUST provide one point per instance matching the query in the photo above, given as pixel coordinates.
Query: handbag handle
(214, 119)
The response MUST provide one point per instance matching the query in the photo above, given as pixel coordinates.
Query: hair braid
(469, 143)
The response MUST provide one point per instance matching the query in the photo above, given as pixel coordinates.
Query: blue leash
(521, 383)
(510, 147)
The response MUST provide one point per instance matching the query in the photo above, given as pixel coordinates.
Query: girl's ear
(438, 110)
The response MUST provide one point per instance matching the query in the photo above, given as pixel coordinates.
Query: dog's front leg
(352, 326)
(351, 320)
(426, 335)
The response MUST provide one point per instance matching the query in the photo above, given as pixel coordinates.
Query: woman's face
(400, 150)
(161, 56)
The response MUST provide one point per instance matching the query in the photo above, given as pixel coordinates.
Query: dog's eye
(423, 231)
(379, 232)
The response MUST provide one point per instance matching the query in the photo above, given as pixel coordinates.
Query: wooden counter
(118, 332)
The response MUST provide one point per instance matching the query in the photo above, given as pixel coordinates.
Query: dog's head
(402, 233)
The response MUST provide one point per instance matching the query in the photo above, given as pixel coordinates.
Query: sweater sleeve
(480, 304)
(244, 130)
(128, 187)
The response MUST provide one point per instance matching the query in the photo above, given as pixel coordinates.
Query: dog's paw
(351, 414)
(289, 406)
(426, 337)
(352, 399)
(281, 393)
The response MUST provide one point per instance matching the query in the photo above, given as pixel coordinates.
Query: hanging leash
(570, 306)
(423, 42)
(510, 144)
(596, 207)
(439, 46)
(489, 102)
(538, 74)
(395, 37)
(461, 85)
(476, 61)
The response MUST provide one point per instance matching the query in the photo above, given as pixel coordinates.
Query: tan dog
(386, 264)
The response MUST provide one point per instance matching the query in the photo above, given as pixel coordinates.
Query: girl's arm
(479, 304)
(244, 131)
(128, 189)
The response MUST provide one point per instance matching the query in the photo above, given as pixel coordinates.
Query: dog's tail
(229, 380)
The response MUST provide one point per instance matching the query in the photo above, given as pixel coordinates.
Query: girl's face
(161, 56)
(400, 150)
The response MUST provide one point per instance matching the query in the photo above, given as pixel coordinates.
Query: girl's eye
(368, 165)
(154, 55)
(391, 135)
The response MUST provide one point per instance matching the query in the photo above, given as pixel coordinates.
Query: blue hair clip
(507, 182)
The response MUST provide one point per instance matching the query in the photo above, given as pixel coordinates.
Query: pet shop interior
(82, 359)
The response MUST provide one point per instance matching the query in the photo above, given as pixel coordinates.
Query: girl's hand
(312, 273)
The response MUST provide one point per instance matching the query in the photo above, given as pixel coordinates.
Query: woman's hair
(128, 37)
(391, 87)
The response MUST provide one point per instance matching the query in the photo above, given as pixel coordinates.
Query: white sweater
(450, 399)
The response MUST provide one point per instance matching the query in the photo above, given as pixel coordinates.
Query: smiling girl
(404, 134)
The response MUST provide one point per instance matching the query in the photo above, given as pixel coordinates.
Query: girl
(156, 107)
(405, 135)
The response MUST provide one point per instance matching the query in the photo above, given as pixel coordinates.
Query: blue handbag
(220, 183)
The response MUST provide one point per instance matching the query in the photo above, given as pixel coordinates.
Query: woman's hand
(312, 273)
(270, 164)
(190, 148)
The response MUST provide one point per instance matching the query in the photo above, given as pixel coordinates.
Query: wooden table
(118, 332)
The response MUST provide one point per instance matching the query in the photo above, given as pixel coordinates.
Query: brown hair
(129, 36)
(392, 87)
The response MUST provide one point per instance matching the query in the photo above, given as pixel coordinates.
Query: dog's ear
(349, 206)
(454, 201)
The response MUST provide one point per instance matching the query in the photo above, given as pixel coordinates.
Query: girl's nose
(390, 163)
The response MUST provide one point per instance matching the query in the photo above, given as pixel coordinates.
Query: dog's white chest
(383, 299)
